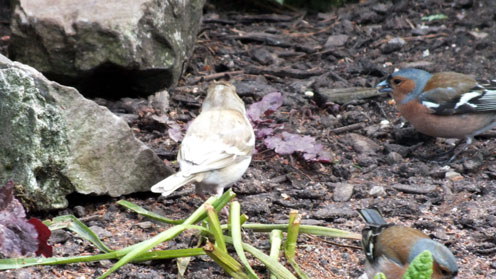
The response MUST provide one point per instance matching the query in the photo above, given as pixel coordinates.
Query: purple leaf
(264, 132)
(286, 143)
(269, 103)
(17, 236)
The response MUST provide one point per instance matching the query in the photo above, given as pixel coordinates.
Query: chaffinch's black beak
(384, 87)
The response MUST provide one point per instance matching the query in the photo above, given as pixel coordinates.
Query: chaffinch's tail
(172, 183)
(375, 225)
(372, 216)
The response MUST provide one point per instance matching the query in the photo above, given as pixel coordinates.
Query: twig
(334, 243)
(348, 128)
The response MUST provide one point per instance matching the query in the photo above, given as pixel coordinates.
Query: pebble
(394, 158)
(79, 211)
(472, 164)
(360, 143)
(453, 176)
(342, 192)
(377, 191)
(100, 232)
(414, 189)
(336, 40)
(393, 45)
(145, 225)
(59, 236)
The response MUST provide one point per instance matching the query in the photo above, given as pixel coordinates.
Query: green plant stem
(228, 263)
(214, 227)
(291, 242)
(275, 247)
(235, 218)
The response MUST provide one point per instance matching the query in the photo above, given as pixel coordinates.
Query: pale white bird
(217, 147)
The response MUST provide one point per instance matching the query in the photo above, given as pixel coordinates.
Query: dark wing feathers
(448, 101)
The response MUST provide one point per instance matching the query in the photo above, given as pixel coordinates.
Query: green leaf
(434, 17)
(74, 224)
(315, 230)
(140, 210)
(420, 267)
(274, 266)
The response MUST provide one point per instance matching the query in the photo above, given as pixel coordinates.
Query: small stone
(264, 57)
(79, 211)
(453, 176)
(59, 236)
(479, 35)
(472, 164)
(26, 274)
(160, 101)
(394, 158)
(106, 263)
(414, 189)
(309, 93)
(333, 211)
(377, 191)
(393, 45)
(342, 192)
(336, 40)
(360, 143)
(100, 232)
(145, 225)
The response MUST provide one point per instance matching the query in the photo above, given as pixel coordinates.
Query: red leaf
(43, 236)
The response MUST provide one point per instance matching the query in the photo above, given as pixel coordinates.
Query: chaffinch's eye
(396, 81)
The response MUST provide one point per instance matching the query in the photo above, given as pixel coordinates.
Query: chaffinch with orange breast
(390, 248)
(446, 104)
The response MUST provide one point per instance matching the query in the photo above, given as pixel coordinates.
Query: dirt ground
(265, 50)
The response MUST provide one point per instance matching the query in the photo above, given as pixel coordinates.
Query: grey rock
(472, 164)
(145, 225)
(59, 236)
(265, 57)
(414, 189)
(377, 191)
(336, 40)
(26, 274)
(393, 45)
(257, 204)
(360, 143)
(79, 211)
(333, 211)
(71, 39)
(394, 158)
(100, 232)
(160, 101)
(342, 192)
(57, 142)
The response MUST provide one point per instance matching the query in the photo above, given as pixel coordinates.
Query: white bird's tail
(172, 183)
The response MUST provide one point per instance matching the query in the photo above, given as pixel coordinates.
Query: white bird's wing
(216, 139)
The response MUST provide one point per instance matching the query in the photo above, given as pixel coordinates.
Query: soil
(264, 49)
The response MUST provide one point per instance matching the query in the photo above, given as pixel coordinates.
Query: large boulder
(135, 45)
(55, 142)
